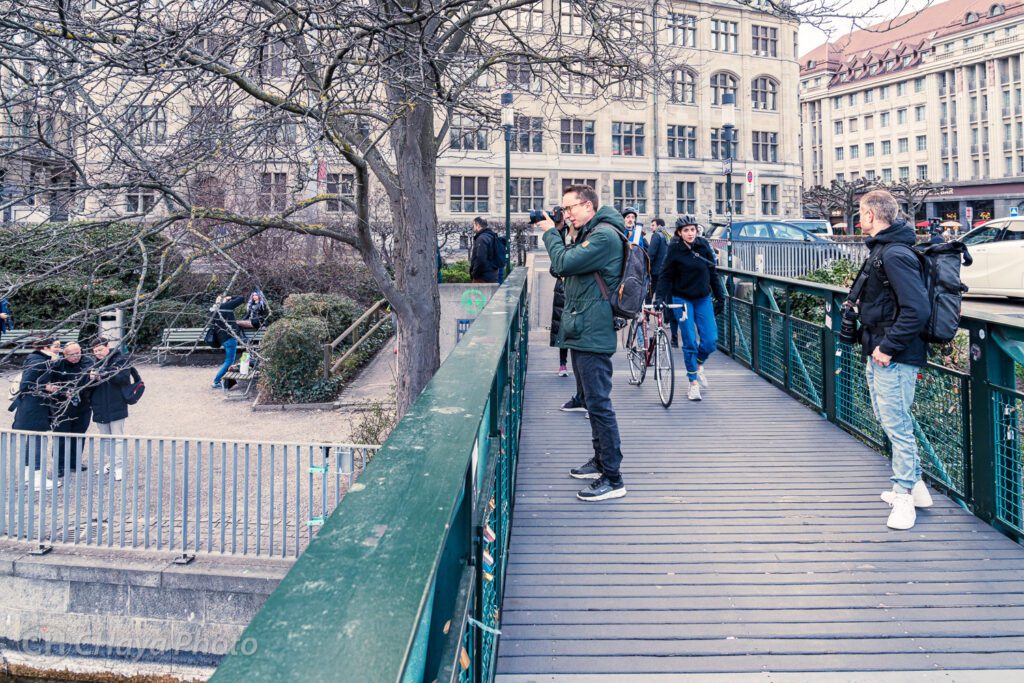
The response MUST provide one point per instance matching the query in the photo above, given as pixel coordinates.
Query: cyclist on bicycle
(689, 277)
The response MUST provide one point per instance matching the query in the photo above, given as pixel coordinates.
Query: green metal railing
(966, 418)
(404, 582)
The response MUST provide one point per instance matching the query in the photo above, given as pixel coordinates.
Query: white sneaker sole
(573, 410)
(889, 496)
(614, 493)
(900, 526)
(694, 398)
(595, 475)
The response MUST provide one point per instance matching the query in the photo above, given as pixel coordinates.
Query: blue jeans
(230, 349)
(892, 395)
(700, 321)
(594, 371)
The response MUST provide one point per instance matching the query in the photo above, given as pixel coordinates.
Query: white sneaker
(117, 473)
(694, 392)
(903, 514)
(701, 378)
(922, 499)
(40, 483)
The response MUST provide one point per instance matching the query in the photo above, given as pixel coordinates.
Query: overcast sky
(880, 10)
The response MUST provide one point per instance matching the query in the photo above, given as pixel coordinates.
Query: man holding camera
(893, 309)
(587, 327)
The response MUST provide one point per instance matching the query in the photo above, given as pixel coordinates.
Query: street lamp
(728, 125)
(507, 119)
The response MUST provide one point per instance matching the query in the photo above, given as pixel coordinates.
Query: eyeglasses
(569, 208)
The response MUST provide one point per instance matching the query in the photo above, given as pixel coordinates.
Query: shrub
(455, 272)
(373, 426)
(293, 359)
(336, 311)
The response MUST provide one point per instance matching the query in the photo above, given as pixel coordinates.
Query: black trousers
(580, 396)
(68, 447)
(594, 372)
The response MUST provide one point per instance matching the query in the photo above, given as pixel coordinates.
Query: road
(993, 304)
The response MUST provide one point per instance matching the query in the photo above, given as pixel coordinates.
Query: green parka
(587, 317)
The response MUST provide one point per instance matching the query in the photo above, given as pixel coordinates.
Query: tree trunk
(419, 309)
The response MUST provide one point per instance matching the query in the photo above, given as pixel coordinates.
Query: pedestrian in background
(111, 372)
(657, 251)
(34, 402)
(483, 262)
(73, 410)
(226, 332)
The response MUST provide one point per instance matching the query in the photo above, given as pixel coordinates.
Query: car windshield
(788, 232)
(819, 227)
(984, 234)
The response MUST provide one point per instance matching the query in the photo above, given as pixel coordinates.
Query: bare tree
(818, 201)
(912, 194)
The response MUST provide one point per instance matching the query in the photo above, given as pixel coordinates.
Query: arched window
(722, 83)
(764, 94)
(996, 10)
(683, 87)
(970, 17)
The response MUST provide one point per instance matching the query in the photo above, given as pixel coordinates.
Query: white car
(998, 251)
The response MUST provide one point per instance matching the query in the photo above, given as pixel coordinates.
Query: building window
(922, 143)
(526, 194)
(766, 146)
(869, 122)
(886, 147)
(919, 84)
(521, 76)
(722, 83)
(684, 29)
(869, 149)
(630, 89)
(139, 200)
(839, 127)
(580, 84)
(721, 205)
(627, 24)
(719, 146)
(344, 186)
(630, 193)
(765, 40)
(528, 134)
(764, 93)
(839, 153)
(686, 197)
(837, 102)
(922, 172)
(571, 18)
(682, 142)
(883, 92)
(724, 35)
(904, 172)
(273, 195)
(770, 200)
(577, 136)
(208, 122)
(901, 89)
(627, 139)
(146, 124)
(466, 134)
(569, 182)
(529, 18)
(852, 125)
(919, 112)
(683, 84)
(469, 194)
(884, 119)
(854, 151)
(871, 175)
(273, 59)
(887, 175)
(852, 98)
(868, 96)
(904, 145)
(901, 117)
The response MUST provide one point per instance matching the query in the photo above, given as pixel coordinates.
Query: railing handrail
(331, 367)
(365, 587)
(359, 321)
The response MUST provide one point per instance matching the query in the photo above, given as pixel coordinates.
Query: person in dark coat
(34, 402)
(72, 412)
(6, 317)
(657, 250)
(256, 311)
(227, 332)
(557, 304)
(108, 377)
(483, 262)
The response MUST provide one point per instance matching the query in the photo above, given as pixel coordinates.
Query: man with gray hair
(894, 310)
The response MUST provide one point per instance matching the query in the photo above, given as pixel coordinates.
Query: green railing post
(787, 336)
(830, 367)
(761, 301)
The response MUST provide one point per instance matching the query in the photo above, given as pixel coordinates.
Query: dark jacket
(894, 306)
(657, 251)
(587, 320)
(108, 404)
(557, 306)
(32, 405)
(256, 312)
(73, 398)
(689, 273)
(483, 265)
(6, 325)
(224, 323)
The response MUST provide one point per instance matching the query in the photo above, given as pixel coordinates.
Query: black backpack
(133, 392)
(500, 250)
(940, 265)
(635, 281)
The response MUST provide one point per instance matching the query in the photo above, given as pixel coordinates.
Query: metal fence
(789, 259)
(171, 494)
(968, 400)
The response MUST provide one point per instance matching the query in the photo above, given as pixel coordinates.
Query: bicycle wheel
(664, 369)
(635, 352)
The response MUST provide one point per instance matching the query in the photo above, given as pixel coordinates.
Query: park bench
(186, 340)
(250, 380)
(19, 342)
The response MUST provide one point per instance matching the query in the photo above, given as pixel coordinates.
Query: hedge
(335, 310)
(293, 360)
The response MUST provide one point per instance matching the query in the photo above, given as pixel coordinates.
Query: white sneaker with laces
(903, 514)
(118, 472)
(701, 377)
(922, 499)
(40, 483)
(694, 392)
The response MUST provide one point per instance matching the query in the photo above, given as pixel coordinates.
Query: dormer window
(996, 10)
(970, 17)
(811, 63)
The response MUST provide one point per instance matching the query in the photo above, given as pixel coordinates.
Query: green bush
(839, 273)
(336, 311)
(455, 272)
(293, 362)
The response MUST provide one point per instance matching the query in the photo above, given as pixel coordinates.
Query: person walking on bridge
(894, 310)
(588, 327)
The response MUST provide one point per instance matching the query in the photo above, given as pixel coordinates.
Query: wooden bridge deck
(752, 546)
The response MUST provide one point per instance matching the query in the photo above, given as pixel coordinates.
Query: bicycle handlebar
(651, 307)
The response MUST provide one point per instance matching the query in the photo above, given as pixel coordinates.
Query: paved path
(752, 540)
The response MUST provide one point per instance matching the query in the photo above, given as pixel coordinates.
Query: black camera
(555, 214)
(848, 326)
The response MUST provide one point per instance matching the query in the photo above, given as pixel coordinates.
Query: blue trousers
(230, 350)
(700, 322)
(892, 397)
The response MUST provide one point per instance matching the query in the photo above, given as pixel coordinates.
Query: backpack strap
(601, 284)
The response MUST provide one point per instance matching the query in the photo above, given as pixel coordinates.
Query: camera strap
(858, 284)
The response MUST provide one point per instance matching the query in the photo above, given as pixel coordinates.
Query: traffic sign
(726, 166)
(750, 182)
(970, 214)
(1013, 212)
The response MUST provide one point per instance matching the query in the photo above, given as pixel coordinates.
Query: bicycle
(642, 348)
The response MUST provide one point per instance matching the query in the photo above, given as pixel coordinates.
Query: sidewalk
(375, 384)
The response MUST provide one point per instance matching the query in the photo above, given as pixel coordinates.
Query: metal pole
(727, 134)
(508, 200)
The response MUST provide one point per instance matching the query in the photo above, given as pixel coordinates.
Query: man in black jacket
(657, 250)
(72, 411)
(894, 310)
(108, 377)
(483, 261)
(34, 402)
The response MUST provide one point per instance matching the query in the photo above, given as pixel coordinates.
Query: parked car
(763, 230)
(816, 226)
(998, 251)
